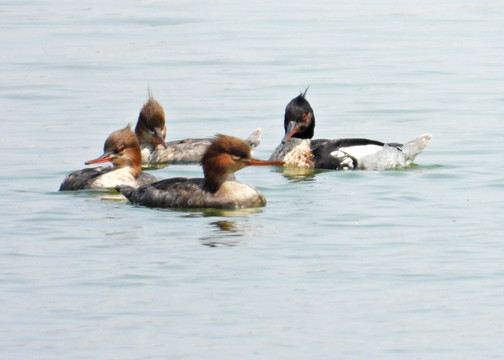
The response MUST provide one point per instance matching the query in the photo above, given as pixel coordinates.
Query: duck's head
(224, 156)
(122, 149)
(150, 128)
(299, 119)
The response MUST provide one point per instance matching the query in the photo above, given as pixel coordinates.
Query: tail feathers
(412, 148)
(254, 139)
(126, 190)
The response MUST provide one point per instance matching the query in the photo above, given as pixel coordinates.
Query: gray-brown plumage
(122, 149)
(151, 133)
(218, 189)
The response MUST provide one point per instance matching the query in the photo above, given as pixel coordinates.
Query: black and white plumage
(298, 149)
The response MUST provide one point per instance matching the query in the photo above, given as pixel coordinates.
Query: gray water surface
(404, 264)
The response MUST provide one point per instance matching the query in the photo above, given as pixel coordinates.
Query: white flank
(360, 151)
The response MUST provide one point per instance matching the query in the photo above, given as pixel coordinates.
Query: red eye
(121, 149)
(303, 117)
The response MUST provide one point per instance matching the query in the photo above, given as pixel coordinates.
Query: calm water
(404, 264)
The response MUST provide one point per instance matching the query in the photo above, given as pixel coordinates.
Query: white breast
(241, 195)
(121, 176)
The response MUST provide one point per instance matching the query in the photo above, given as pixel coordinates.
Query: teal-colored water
(394, 264)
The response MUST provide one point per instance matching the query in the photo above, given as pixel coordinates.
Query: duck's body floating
(122, 149)
(151, 133)
(297, 148)
(219, 188)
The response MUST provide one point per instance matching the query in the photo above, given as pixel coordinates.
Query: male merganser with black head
(219, 188)
(122, 149)
(151, 133)
(297, 148)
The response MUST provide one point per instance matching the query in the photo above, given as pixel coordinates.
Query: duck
(219, 187)
(298, 149)
(151, 133)
(123, 150)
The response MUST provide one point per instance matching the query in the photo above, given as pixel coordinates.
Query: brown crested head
(225, 144)
(122, 149)
(152, 114)
(121, 139)
(224, 156)
(150, 127)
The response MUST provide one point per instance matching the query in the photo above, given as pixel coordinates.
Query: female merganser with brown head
(151, 133)
(219, 188)
(297, 148)
(122, 149)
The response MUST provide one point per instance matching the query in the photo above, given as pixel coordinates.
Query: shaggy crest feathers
(301, 98)
(224, 144)
(124, 137)
(152, 113)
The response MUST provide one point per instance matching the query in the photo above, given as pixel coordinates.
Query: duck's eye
(304, 117)
(121, 149)
(236, 157)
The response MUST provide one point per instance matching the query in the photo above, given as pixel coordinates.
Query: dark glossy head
(299, 119)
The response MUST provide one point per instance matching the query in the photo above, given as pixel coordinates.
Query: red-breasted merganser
(122, 149)
(219, 188)
(151, 133)
(297, 148)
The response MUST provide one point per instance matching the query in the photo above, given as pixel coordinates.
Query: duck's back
(367, 154)
(326, 152)
(190, 193)
(180, 151)
(83, 179)
(104, 178)
(187, 151)
(352, 153)
(167, 193)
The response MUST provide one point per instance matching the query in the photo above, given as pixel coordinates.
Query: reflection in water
(102, 194)
(113, 197)
(154, 166)
(225, 225)
(225, 233)
(297, 174)
(211, 212)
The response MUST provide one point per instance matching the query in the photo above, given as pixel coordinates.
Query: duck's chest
(295, 152)
(238, 195)
(146, 155)
(113, 178)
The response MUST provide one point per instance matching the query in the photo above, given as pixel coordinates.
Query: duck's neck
(215, 177)
(136, 168)
(140, 131)
(134, 163)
